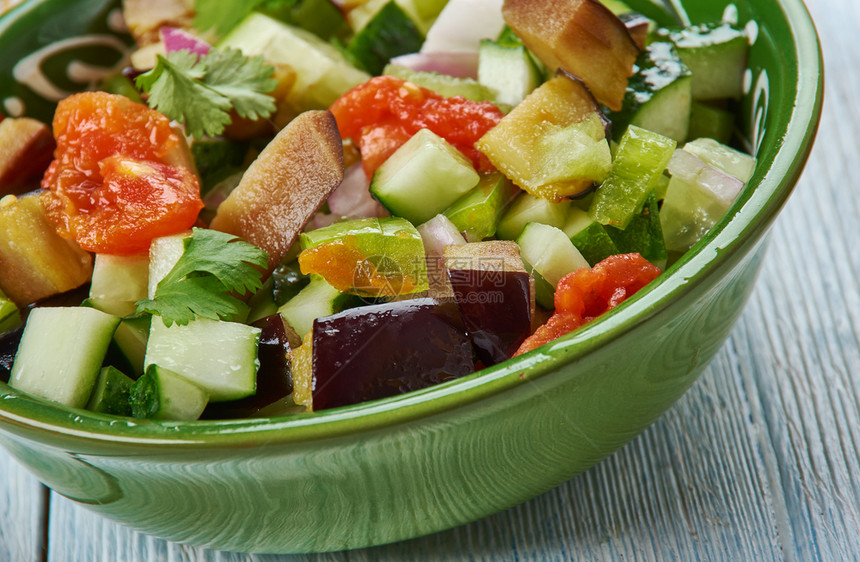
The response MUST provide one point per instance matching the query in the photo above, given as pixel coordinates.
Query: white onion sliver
(462, 24)
(437, 233)
(352, 198)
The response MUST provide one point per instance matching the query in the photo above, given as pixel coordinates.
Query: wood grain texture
(759, 461)
(22, 501)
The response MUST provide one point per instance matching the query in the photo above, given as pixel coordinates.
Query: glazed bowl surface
(426, 461)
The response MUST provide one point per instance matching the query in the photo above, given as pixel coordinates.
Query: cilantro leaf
(201, 91)
(213, 266)
(241, 80)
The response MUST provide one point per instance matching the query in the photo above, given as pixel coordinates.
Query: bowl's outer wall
(388, 479)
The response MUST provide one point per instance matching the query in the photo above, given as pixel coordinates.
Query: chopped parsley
(213, 266)
(200, 91)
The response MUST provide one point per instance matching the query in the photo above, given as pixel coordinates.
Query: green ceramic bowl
(429, 460)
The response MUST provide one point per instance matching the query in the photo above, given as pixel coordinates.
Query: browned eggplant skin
(285, 185)
(384, 350)
(26, 150)
(581, 36)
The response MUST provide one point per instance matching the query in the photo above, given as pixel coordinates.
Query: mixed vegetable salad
(293, 205)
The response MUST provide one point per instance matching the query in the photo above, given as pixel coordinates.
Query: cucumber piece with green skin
(548, 251)
(716, 54)
(388, 34)
(639, 162)
(392, 246)
(423, 178)
(164, 252)
(322, 72)
(316, 300)
(643, 235)
(130, 339)
(442, 84)
(78, 338)
(320, 17)
(589, 237)
(422, 12)
(735, 163)
(10, 317)
(658, 94)
(508, 70)
(162, 394)
(111, 393)
(118, 282)
(476, 214)
(527, 208)
(220, 357)
(709, 121)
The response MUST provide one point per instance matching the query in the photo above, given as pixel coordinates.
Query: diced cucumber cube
(716, 54)
(735, 163)
(130, 338)
(61, 352)
(316, 300)
(711, 122)
(322, 72)
(508, 70)
(477, 213)
(111, 393)
(164, 252)
(442, 84)
(548, 251)
(639, 162)
(643, 235)
(389, 33)
(423, 177)
(321, 17)
(118, 282)
(527, 208)
(163, 394)
(589, 237)
(220, 357)
(658, 94)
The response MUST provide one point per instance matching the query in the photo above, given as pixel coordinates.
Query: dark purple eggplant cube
(376, 351)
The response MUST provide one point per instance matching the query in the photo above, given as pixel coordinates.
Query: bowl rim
(743, 226)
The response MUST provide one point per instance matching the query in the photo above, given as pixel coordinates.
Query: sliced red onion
(437, 233)
(176, 39)
(462, 24)
(352, 198)
(723, 187)
(462, 64)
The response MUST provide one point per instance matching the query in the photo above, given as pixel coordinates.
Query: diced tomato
(110, 186)
(384, 112)
(585, 294)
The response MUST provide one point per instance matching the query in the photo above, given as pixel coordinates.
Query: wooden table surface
(760, 460)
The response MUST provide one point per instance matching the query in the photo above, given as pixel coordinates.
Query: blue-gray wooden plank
(759, 461)
(22, 513)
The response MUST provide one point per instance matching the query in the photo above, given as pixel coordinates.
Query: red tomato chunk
(384, 112)
(585, 294)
